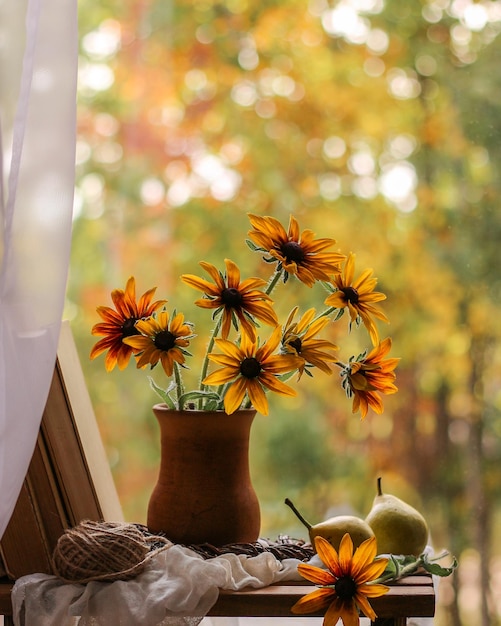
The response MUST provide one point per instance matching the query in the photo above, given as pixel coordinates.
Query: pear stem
(379, 490)
(297, 513)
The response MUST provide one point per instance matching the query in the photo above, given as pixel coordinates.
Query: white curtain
(38, 68)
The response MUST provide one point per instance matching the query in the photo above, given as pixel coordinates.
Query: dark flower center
(296, 344)
(231, 297)
(129, 327)
(351, 294)
(165, 340)
(292, 251)
(250, 367)
(346, 588)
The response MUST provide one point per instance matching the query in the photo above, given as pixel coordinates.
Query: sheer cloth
(38, 69)
(177, 588)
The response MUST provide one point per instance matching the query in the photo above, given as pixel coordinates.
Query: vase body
(204, 492)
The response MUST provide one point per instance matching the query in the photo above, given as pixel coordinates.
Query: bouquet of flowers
(248, 366)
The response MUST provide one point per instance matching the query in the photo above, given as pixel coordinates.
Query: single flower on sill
(347, 583)
(251, 365)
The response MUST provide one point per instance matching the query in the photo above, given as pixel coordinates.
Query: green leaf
(436, 569)
(164, 393)
(339, 315)
(191, 396)
(253, 246)
(400, 566)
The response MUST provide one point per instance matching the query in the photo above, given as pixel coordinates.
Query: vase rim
(162, 406)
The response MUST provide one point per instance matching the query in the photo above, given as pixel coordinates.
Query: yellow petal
(314, 602)
(345, 553)
(373, 591)
(364, 604)
(235, 395)
(316, 574)
(328, 555)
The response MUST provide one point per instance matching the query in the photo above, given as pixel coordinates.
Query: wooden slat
(5, 601)
(68, 479)
(24, 545)
(75, 442)
(412, 597)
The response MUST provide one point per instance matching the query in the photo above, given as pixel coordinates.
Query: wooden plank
(408, 598)
(405, 599)
(66, 454)
(24, 546)
(45, 495)
(5, 601)
(68, 479)
(101, 491)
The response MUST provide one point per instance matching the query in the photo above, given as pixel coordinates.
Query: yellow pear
(334, 528)
(399, 527)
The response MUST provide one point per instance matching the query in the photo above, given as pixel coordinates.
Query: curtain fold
(38, 72)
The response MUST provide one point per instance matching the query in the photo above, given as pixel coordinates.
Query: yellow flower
(234, 297)
(364, 379)
(251, 369)
(120, 322)
(358, 296)
(297, 253)
(300, 338)
(347, 583)
(161, 341)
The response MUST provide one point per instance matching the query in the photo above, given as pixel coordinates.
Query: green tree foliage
(375, 123)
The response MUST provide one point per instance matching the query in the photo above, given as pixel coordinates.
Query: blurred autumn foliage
(375, 122)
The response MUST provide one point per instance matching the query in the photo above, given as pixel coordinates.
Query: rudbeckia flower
(120, 322)
(297, 253)
(232, 297)
(347, 583)
(161, 341)
(358, 296)
(299, 338)
(366, 378)
(250, 369)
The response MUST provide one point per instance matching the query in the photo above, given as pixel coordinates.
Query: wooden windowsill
(413, 596)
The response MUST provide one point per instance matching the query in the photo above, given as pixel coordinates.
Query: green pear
(334, 528)
(399, 527)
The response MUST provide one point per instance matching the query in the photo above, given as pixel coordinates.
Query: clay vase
(204, 492)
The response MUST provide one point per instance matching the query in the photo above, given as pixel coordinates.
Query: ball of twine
(103, 551)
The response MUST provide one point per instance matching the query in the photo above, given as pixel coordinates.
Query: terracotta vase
(204, 492)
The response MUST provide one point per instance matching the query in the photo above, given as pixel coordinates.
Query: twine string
(104, 551)
(109, 551)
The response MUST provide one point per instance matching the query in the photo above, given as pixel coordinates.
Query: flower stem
(205, 364)
(273, 281)
(179, 384)
(326, 313)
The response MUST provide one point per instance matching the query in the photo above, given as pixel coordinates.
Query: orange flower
(297, 253)
(120, 322)
(369, 376)
(161, 341)
(300, 338)
(358, 296)
(232, 297)
(347, 583)
(251, 369)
